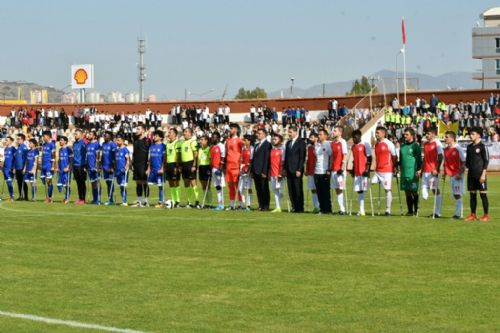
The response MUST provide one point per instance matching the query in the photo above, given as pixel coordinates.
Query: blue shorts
(94, 175)
(155, 179)
(63, 178)
(8, 175)
(30, 177)
(121, 178)
(46, 173)
(107, 175)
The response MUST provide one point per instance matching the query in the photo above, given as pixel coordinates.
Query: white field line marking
(70, 323)
(107, 214)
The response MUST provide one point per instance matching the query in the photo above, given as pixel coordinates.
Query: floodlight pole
(142, 68)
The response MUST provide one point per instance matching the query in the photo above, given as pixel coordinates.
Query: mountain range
(384, 80)
(13, 90)
(387, 79)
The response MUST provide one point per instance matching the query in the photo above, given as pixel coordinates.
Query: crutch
(3, 187)
(307, 195)
(435, 197)
(99, 186)
(112, 189)
(68, 183)
(125, 185)
(462, 196)
(206, 190)
(287, 194)
(331, 193)
(344, 175)
(379, 203)
(87, 182)
(371, 201)
(418, 196)
(352, 194)
(163, 187)
(45, 186)
(399, 195)
(442, 191)
(247, 197)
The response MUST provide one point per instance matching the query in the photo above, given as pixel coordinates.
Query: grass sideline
(201, 271)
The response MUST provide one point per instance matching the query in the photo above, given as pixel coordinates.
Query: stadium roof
(491, 12)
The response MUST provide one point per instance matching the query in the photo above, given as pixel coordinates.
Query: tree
(251, 94)
(362, 87)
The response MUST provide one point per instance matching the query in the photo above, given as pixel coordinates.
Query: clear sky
(203, 45)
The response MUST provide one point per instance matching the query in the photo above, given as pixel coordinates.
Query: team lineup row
(236, 163)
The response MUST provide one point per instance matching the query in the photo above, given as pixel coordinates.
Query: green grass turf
(202, 271)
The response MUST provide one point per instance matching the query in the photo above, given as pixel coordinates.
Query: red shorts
(232, 175)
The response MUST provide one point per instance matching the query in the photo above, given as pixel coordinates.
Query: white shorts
(360, 184)
(218, 180)
(276, 183)
(337, 181)
(245, 182)
(310, 183)
(384, 178)
(429, 182)
(457, 186)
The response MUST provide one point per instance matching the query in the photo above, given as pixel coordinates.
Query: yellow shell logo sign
(81, 76)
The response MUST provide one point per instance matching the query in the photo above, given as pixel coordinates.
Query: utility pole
(142, 67)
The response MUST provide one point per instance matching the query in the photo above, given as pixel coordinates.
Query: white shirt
(323, 152)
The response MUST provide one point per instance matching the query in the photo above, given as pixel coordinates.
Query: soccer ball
(169, 204)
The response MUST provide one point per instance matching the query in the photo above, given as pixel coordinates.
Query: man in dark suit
(260, 169)
(295, 155)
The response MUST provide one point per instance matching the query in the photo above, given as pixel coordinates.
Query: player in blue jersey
(8, 166)
(93, 165)
(48, 164)
(63, 168)
(122, 165)
(31, 167)
(108, 151)
(20, 163)
(156, 165)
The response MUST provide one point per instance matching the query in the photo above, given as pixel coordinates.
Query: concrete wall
(242, 106)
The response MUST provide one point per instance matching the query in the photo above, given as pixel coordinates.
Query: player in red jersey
(310, 164)
(433, 157)
(454, 167)
(245, 183)
(234, 146)
(217, 154)
(385, 154)
(276, 162)
(339, 161)
(361, 163)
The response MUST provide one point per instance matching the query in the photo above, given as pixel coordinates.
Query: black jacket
(295, 156)
(260, 160)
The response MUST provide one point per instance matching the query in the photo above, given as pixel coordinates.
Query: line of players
(327, 163)
(229, 164)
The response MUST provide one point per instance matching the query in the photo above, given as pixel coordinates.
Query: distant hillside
(11, 90)
(415, 81)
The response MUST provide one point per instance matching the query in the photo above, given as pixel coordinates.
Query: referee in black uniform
(140, 165)
(477, 162)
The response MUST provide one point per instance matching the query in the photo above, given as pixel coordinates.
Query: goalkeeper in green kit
(410, 160)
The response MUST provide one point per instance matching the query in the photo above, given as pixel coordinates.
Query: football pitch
(67, 268)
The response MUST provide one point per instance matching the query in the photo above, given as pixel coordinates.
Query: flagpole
(404, 72)
(404, 64)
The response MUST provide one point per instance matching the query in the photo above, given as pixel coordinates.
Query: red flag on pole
(403, 30)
